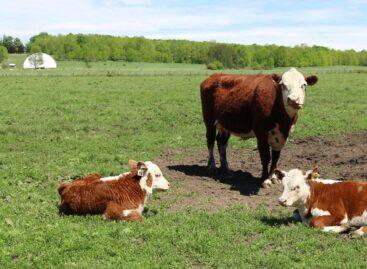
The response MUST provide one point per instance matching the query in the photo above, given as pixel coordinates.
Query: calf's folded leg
(361, 231)
(133, 215)
(113, 211)
(329, 223)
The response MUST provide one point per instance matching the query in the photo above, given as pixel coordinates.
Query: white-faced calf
(330, 205)
(119, 198)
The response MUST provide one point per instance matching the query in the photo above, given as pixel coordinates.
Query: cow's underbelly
(276, 139)
(244, 134)
(359, 220)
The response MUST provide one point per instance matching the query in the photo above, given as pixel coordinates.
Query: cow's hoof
(212, 170)
(357, 233)
(226, 173)
(266, 184)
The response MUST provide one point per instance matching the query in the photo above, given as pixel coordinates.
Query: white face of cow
(293, 85)
(152, 177)
(159, 181)
(296, 190)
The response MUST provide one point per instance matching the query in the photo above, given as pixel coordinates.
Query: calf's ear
(277, 78)
(279, 174)
(133, 165)
(311, 80)
(142, 168)
(313, 174)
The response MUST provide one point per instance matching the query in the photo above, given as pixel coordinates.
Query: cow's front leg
(264, 151)
(329, 223)
(274, 161)
(222, 142)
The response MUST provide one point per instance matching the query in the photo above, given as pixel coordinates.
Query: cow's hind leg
(329, 223)
(222, 142)
(360, 232)
(335, 229)
(210, 140)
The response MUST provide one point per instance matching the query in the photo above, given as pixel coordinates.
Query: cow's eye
(157, 175)
(304, 86)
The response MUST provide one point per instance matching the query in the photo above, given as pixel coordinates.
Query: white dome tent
(39, 61)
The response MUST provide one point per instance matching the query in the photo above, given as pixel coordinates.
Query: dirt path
(344, 157)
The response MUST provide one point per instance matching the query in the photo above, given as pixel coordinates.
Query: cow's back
(350, 196)
(92, 197)
(238, 102)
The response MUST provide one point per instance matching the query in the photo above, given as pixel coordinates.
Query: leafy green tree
(3, 53)
(139, 49)
(19, 47)
(8, 43)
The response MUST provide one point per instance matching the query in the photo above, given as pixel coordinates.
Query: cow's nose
(295, 102)
(282, 201)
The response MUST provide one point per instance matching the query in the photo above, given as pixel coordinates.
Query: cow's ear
(311, 80)
(313, 174)
(133, 165)
(277, 78)
(142, 168)
(279, 174)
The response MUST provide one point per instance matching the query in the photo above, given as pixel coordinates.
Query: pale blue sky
(336, 24)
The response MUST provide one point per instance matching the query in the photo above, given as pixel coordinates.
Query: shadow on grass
(275, 222)
(241, 181)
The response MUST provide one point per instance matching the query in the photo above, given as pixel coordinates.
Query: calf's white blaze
(295, 188)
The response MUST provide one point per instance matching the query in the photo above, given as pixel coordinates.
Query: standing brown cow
(261, 106)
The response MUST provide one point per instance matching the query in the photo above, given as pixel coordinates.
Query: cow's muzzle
(282, 202)
(294, 103)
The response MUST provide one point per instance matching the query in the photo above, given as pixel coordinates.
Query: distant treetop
(215, 55)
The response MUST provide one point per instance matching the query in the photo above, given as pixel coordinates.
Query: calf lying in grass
(331, 205)
(119, 198)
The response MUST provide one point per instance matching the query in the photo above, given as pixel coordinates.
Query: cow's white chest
(276, 138)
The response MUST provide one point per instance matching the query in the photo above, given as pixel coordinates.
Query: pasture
(59, 124)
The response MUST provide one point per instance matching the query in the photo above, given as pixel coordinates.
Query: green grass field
(58, 124)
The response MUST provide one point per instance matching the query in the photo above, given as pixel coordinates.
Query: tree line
(13, 45)
(87, 47)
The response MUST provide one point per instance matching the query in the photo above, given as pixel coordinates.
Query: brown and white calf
(330, 205)
(119, 198)
(261, 106)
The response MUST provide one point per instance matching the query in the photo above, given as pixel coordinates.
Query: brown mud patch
(343, 157)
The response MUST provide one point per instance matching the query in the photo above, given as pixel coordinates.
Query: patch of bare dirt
(344, 157)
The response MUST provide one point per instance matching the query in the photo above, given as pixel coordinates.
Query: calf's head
(293, 85)
(151, 175)
(296, 188)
